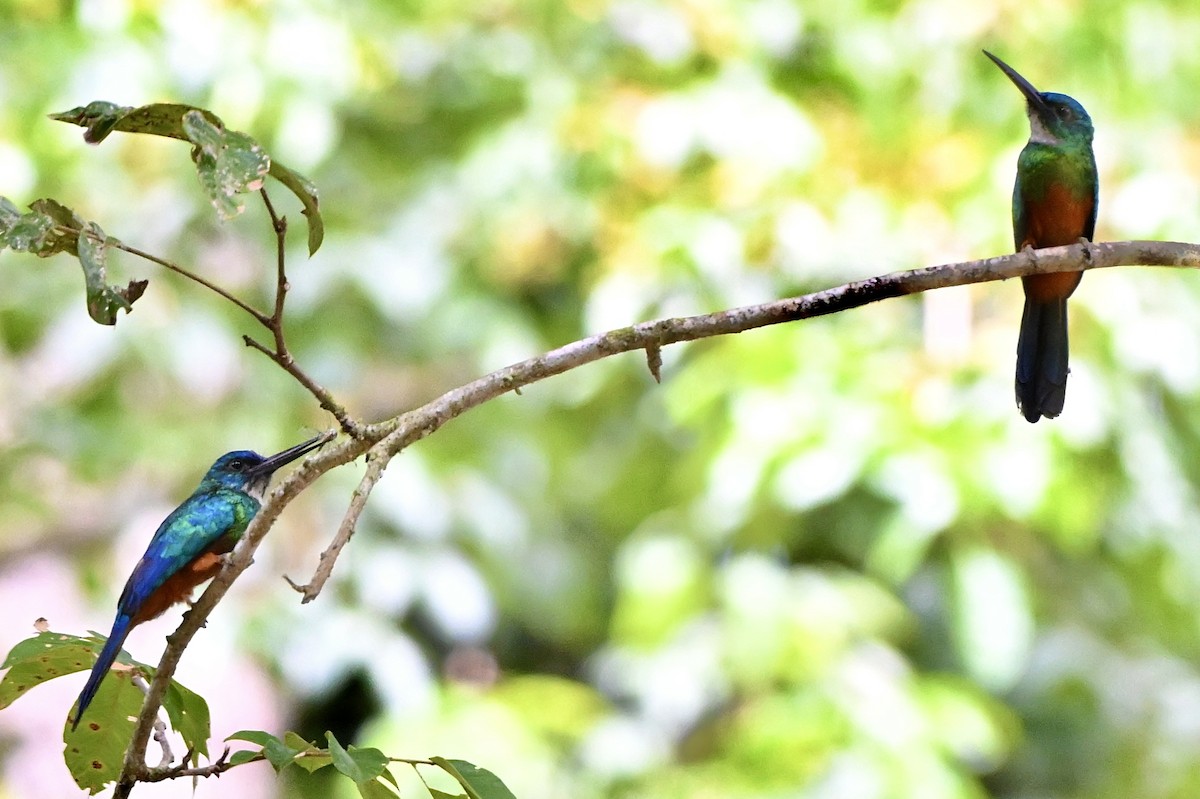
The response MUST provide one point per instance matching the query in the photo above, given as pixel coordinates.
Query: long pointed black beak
(268, 467)
(1032, 95)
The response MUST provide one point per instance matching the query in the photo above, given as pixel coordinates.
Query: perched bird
(186, 549)
(1054, 203)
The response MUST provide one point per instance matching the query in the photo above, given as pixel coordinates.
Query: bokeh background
(827, 559)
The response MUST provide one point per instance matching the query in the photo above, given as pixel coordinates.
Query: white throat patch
(257, 488)
(1038, 132)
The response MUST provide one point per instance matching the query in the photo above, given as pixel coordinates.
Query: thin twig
(274, 323)
(261, 317)
(280, 354)
(160, 728)
(213, 769)
(280, 226)
(376, 463)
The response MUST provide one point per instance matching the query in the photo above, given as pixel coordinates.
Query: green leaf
(390, 779)
(51, 228)
(279, 754)
(436, 794)
(168, 119)
(306, 191)
(313, 761)
(260, 737)
(359, 765)
(189, 717)
(25, 675)
(310, 756)
(26, 233)
(40, 231)
(9, 214)
(103, 300)
(478, 782)
(243, 756)
(276, 752)
(44, 657)
(99, 118)
(43, 643)
(229, 163)
(157, 119)
(374, 789)
(294, 740)
(94, 752)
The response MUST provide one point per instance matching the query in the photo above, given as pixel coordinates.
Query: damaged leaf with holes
(50, 228)
(95, 750)
(44, 657)
(100, 118)
(229, 163)
(108, 725)
(103, 300)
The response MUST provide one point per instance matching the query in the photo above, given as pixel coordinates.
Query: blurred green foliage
(823, 560)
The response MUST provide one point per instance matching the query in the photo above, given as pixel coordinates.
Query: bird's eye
(237, 465)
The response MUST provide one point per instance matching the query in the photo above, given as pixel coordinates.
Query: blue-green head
(249, 472)
(1053, 118)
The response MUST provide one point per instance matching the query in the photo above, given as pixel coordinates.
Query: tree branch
(406, 428)
(376, 463)
(384, 440)
(401, 431)
(213, 769)
(279, 353)
(274, 323)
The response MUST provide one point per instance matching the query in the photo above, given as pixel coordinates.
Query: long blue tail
(108, 656)
(1042, 359)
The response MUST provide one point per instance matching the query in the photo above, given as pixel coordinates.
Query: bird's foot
(192, 606)
(1086, 243)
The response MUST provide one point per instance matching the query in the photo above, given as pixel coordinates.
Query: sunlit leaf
(228, 163)
(94, 749)
(42, 658)
(478, 782)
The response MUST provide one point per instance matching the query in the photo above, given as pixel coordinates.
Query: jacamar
(186, 549)
(1054, 203)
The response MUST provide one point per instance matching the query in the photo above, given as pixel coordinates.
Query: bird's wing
(193, 527)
